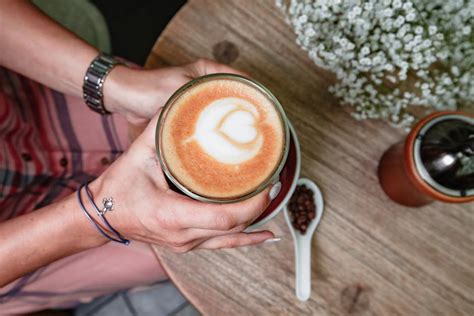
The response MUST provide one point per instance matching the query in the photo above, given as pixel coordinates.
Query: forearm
(37, 47)
(34, 45)
(43, 236)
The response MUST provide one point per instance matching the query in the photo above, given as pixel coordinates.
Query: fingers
(192, 234)
(205, 67)
(223, 217)
(236, 240)
(225, 241)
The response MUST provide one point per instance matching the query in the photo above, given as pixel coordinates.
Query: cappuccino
(222, 138)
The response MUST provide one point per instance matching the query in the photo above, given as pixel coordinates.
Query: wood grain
(370, 255)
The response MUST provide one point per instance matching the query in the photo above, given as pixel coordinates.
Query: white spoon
(303, 243)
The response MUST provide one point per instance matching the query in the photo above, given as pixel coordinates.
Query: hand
(138, 94)
(147, 210)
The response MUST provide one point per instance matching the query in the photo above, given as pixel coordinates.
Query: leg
(84, 276)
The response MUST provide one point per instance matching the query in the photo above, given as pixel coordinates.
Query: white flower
(302, 19)
(365, 51)
(388, 12)
(371, 43)
(408, 38)
(366, 61)
(407, 5)
(397, 4)
(411, 16)
(426, 43)
(455, 70)
(399, 21)
(447, 81)
(466, 30)
(357, 10)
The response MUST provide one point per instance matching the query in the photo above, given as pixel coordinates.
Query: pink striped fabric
(50, 144)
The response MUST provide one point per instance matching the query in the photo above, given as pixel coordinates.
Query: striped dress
(50, 144)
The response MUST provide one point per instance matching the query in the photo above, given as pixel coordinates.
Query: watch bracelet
(94, 80)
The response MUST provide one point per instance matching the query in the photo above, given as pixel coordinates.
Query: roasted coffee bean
(302, 208)
(301, 219)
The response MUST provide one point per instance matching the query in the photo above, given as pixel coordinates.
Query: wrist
(86, 230)
(124, 93)
(132, 93)
(113, 89)
(109, 224)
(77, 227)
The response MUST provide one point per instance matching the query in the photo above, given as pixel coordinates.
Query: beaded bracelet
(119, 238)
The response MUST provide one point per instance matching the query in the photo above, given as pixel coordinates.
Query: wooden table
(370, 255)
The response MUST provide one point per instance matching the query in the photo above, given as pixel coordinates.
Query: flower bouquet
(391, 56)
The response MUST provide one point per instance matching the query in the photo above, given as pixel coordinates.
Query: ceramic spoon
(303, 243)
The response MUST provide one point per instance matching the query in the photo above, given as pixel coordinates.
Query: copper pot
(435, 162)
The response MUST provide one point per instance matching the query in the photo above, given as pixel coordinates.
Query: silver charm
(108, 205)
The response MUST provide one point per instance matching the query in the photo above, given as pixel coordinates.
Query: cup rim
(294, 182)
(412, 166)
(168, 105)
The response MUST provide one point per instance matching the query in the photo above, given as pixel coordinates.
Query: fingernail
(275, 190)
(272, 240)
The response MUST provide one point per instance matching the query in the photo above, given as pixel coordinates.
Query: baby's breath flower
(374, 46)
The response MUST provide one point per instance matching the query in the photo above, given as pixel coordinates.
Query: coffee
(222, 138)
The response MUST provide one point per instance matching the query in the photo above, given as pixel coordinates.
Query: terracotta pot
(403, 178)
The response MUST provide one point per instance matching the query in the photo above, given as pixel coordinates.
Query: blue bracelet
(99, 228)
(102, 215)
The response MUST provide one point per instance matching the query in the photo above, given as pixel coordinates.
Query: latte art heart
(227, 130)
(222, 138)
(239, 126)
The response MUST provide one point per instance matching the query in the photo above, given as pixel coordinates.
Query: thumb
(206, 66)
(148, 134)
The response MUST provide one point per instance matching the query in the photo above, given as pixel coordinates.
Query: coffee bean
(301, 219)
(302, 208)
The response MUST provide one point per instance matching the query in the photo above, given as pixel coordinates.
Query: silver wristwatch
(94, 80)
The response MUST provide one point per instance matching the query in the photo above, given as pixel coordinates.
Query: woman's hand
(147, 210)
(138, 94)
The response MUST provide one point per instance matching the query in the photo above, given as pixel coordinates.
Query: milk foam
(222, 138)
(226, 130)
